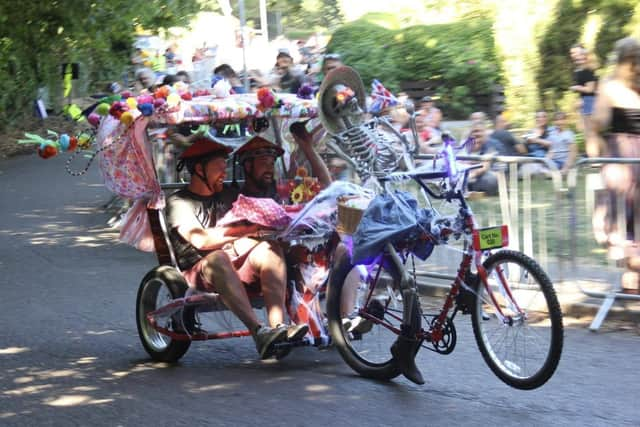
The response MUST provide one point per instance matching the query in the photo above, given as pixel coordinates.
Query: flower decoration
(266, 99)
(344, 95)
(303, 187)
(305, 91)
(48, 148)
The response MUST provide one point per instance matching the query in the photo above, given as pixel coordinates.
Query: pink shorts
(243, 267)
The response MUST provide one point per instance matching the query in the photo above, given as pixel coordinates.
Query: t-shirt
(560, 143)
(584, 76)
(508, 142)
(195, 211)
(539, 150)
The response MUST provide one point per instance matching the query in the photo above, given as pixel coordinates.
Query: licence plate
(490, 238)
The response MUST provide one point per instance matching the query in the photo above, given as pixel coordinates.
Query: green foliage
(460, 56)
(37, 37)
(565, 29)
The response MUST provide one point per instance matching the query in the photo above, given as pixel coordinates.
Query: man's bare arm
(304, 140)
(216, 237)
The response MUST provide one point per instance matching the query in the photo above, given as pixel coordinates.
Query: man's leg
(219, 271)
(267, 261)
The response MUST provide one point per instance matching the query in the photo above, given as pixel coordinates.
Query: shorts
(587, 105)
(196, 278)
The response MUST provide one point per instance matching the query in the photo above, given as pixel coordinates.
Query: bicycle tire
(157, 288)
(373, 359)
(540, 327)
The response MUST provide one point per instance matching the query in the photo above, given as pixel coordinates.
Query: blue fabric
(391, 218)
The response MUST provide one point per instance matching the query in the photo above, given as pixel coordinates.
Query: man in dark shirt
(509, 145)
(220, 259)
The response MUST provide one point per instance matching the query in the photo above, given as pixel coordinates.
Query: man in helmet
(258, 157)
(216, 259)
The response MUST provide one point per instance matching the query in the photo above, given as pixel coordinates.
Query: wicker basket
(348, 217)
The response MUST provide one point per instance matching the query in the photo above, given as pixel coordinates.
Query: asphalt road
(70, 354)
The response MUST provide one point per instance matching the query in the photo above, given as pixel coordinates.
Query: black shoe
(404, 352)
(266, 337)
(297, 332)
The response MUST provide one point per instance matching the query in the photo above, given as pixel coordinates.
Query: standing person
(331, 61)
(287, 80)
(617, 119)
(226, 72)
(221, 259)
(585, 83)
(563, 149)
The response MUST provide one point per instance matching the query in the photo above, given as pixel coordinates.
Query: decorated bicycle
(367, 236)
(374, 310)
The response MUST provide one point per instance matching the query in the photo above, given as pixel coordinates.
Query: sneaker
(297, 332)
(266, 337)
(357, 325)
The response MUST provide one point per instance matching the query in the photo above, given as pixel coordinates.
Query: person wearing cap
(216, 259)
(257, 158)
(286, 78)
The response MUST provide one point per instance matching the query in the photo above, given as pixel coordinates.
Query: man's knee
(267, 255)
(217, 263)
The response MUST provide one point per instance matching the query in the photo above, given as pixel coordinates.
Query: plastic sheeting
(392, 218)
(319, 216)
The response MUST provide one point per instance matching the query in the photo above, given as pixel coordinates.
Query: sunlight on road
(13, 350)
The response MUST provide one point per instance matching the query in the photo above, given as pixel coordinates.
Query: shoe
(296, 332)
(357, 325)
(265, 337)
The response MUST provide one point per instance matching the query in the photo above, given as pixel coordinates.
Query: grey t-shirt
(194, 211)
(560, 144)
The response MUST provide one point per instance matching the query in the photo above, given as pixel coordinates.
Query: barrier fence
(550, 222)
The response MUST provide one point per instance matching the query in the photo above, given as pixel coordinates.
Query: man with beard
(258, 156)
(221, 259)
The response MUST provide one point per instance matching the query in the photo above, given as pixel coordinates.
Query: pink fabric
(263, 211)
(128, 170)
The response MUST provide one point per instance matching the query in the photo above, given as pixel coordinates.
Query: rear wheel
(364, 344)
(158, 288)
(518, 327)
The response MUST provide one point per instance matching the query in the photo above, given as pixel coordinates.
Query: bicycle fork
(406, 347)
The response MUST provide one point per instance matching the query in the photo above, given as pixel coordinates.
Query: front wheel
(158, 288)
(354, 290)
(517, 320)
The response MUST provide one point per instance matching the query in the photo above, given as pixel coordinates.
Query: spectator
(170, 79)
(331, 61)
(563, 143)
(511, 146)
(146, 78)
(287, 80)
(585, 83)
(184, 76)
(226, 72)
(537, 141)
(483, 179)
(432, 116)
(617, 115)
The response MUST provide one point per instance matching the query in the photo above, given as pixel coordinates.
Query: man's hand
(300, 133)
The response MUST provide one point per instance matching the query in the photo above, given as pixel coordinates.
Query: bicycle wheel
(158, 288)
(364, 345)
(518, 327)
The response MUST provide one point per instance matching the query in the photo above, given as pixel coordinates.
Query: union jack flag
(381, 97)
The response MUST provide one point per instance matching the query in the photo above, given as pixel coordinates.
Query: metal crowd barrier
(615, 292)
(509, 199)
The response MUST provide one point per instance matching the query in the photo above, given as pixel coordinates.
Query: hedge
(461, 56)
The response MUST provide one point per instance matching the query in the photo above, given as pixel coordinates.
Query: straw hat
(335, 81)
